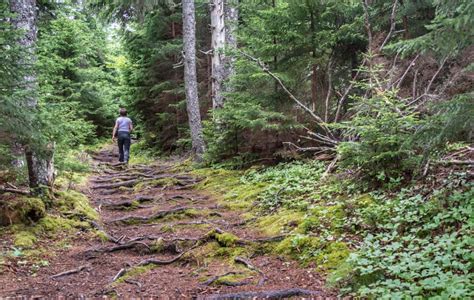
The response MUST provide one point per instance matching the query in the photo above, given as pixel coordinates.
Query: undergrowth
(411, 242)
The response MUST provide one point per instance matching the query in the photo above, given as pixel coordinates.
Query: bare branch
(392, 24)
(285, 89)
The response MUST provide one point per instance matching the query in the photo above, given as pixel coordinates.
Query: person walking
(123, 128)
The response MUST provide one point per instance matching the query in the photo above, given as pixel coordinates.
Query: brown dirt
(182, 279)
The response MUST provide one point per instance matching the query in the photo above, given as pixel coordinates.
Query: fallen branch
(277, 294)
(119, 274)
(69, 272)
(13, 190)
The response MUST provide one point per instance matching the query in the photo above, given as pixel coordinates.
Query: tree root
(101, 229)
(157, 215)
(249, 265)
(153, 261)
(276, 294)
(228, 283)
(127, 203)
(69, 272)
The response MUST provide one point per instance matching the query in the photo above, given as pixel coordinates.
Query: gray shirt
(123, 124)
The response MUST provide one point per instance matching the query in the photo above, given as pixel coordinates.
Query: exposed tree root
(157, 215)
(249, 265)
(154, 261)
(215, 278)
(276, 294)
(127, 203)
(101, 229)
(69, 272)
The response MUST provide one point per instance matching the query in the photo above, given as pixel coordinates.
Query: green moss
(332, 256)
(323, 218)
(283, 221)
(226, 239)
(53, 224)
(164, 182)
(75, 203)
(231, 278)
(133, 272)
(24, 239)
(299, 247)
(166, 229)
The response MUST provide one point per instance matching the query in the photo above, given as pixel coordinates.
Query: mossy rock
(24, 239)
(22, 210)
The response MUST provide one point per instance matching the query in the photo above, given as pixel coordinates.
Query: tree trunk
(190, 78)
(231, 13)
(40, 163)
(218, 55)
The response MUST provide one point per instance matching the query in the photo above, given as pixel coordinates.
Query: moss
(299, 247)
(226, 239)
(323, 218)
(283, 221)
(133, 272)
(53, 224)
(24, 239)
(231, 278)
(164, 182)
(166, 229)
(72, 202)
(332, 256)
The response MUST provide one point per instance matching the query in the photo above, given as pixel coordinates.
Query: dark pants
(124, 145)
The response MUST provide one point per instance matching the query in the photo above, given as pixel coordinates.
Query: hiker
(123, 128)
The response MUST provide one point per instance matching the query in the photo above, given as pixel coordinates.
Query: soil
(187, 264)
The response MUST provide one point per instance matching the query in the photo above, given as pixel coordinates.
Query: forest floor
(162, 238)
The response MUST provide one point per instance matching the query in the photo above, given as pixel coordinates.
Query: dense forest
(312, 148)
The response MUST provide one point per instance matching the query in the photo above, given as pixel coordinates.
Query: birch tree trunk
(190, 78)
(40, 163)
(224, 19)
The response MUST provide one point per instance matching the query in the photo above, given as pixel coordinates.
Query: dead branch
(69, 272)
(119, 274)
(275, 294)
(368, 26)
(13, 190)
(265, 69)
(392, 24)
(400, 80)
(456, 162)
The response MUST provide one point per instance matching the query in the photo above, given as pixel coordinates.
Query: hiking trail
(162, 238)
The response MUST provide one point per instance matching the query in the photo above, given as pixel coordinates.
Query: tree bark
(224, 19)
(39, 162)
(190, 78)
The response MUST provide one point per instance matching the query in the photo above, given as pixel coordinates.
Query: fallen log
(276, 294)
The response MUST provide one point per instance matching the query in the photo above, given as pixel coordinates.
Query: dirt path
(164, 239)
